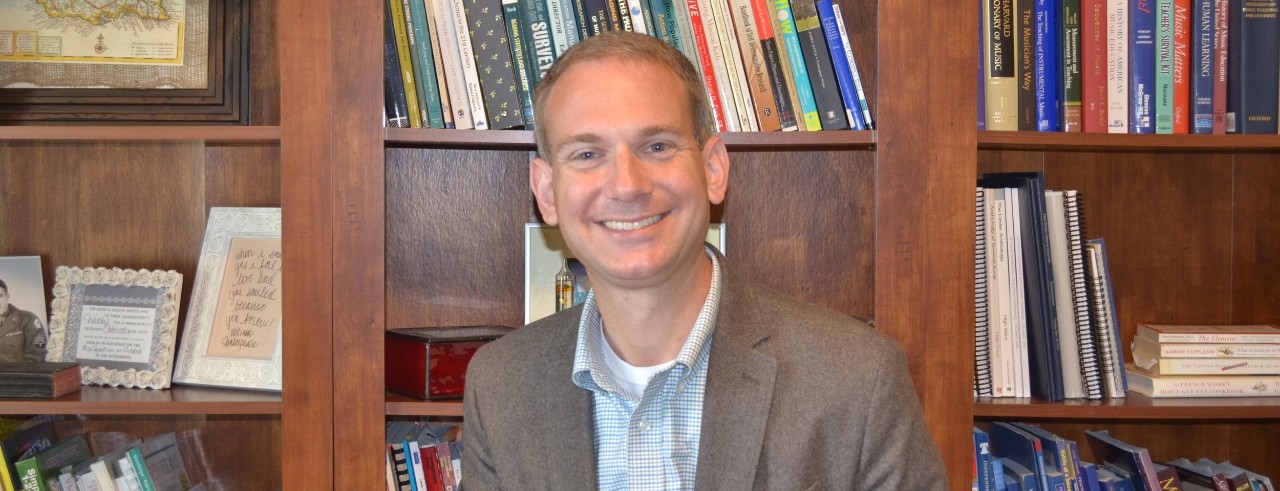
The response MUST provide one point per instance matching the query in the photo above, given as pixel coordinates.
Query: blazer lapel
(739, 392)
(567, 446)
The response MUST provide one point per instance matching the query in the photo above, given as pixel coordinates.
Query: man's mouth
(621, 226)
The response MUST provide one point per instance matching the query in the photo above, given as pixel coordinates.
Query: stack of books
(1205, 360)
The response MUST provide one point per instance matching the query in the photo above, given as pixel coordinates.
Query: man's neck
(648, 327)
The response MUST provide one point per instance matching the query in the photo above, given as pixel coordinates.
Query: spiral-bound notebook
(1089, 369)
(981, 326)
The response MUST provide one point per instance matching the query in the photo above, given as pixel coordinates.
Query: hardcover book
(818, 60)
(1024, 449)
(808, 108)
(1119, 455)
(867, 122)
(395, 106)
(840, 64)
(1202, 66)
(1206, 366)
(1118, 66)
(1199, 477)
(405, 62)
(1153, 349)
(1172, 333)
(1253, 87)
(1070, 66)
(431, 362)
(1047, 53)
(39, 379)
(1156, 386)
(999, 65)
(1162, 102)
(1181, 66)
(1025, 25)
(493, 64)
(1093, 66)
(1142, 66)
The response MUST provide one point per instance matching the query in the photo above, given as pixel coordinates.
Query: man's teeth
(616, 225)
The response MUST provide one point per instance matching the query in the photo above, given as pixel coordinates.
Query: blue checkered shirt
(650, 443)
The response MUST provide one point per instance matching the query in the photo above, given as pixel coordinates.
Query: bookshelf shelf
(398, 405)
(125, 401)
(1028, 140)
(491, 140)
(1133, 407)
(142, 133)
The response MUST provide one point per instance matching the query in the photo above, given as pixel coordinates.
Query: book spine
(1026, 41)
(999, 67)
(1017, 288)
(1181, 66)
(1162, 106)
(732, 117)
(1253, 90)
(403, 58)
(784, 61)
(1226, 351)
(1046, 54)
(795, 59)
(662, 24)
(774, 66)
(424, 71)
(470, 75)
(523, 66)
(981, 325)
(1002, 354)
(1093, 54)
(1142, 65)
(446, 108)
(1070, 67)
(1117, 66)
(639, 17)
(140, 468)
(395, 107)
(758, 81)
(704, 58)
(680, 10)
(1206, 385)
(1208, 366)
(1213, 338)
(28, 475)
(450, 58)
(556, 26)
(853, 70)
(494, 66)
(1068, 341)
(1202, 60)
(821, 77)
(416, 467)
(1221, 53)
(596, 16)
(581, 19)
(735, 72)
(840, 64)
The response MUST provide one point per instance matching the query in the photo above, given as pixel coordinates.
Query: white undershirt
(630, 378)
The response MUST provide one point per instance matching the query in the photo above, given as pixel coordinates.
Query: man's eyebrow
(576, 139)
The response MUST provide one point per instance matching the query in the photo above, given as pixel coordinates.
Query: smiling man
(676, 373)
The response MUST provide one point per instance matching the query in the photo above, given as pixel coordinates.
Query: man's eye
(588, 155)
(659, 147)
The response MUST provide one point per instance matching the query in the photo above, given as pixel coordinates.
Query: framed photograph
(177, 61)
(23, 312)
(545, 255)
(233, 330)
(119, 324)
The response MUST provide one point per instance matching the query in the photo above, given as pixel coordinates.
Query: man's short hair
(4, 286)
(630, 46)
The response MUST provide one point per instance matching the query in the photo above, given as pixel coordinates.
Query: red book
(1181, 66)
(431, 362)
(1093, 65)
(1220, 67)
(704, 59)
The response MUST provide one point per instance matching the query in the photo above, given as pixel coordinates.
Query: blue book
(795, 58)
(1048, 102)
(1124, 459)
(1202, 64)
(1057, 453)
(1018, 477)
(1089, 476)
(1009, 441)
(982, 460)
(1142, 65)
(840, 65)
(997, 473)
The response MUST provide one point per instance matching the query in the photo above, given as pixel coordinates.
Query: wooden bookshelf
(399, 405)
(405, 137)
(1029, 140)
(1132, 407)
(126, 401)
(142, 133)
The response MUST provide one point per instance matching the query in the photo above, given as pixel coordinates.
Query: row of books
(1045, 316)
(768, 65)
(1130, 66)
(1025, 457)
(422, 456)
(1205, 360)
(49, 454)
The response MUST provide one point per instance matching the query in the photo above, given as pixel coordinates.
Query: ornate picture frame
(232, 336)
(119, 324)
(217, 40)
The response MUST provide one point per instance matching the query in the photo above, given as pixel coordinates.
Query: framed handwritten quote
(232, 336)
(119, 324)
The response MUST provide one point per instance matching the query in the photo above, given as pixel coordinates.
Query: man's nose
(630, 177)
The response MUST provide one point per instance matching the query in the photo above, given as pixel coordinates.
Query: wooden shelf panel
(122, 401)
(399, 405)
(524, 139)
(1031, 140)
(1133, 407)
(142, 133)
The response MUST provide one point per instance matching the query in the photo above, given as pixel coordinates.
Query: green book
(34, 471)
(1164, 67)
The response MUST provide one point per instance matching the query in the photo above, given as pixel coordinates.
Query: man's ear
(540, 184)
(717, 168)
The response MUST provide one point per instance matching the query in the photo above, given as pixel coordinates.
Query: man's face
(4, 300)
(626, 180)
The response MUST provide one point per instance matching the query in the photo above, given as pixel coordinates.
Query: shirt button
(643, 426)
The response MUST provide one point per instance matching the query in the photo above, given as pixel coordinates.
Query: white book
(102, 475)
(555, 14)
(635, 9)
(1206, 366)
(1117, 66)
(470, 76)
(1154, 349)
(1017, 292)
(711, 33)
(1001, 320)
(452, 61)
(415, 459)
(685, 30)
(1104, 319)
(733, 65)
(441, 82)
(68, 481)
(1203, 385)
(1069, 349)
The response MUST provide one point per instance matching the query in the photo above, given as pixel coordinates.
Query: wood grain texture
(860, 22)
(264, 63)
(1256, 240)
(925, 170)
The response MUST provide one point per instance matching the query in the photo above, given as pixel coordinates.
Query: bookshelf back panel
(1244, 444)
(1257, 240)
(264, 63)
(860, 23)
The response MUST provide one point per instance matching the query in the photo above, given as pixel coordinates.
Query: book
(703, 47)
(1167, 477)
(437, 60)
(557, 28)
(1089, 477)
(1106, 327)
(1242, 333)
(1162, 93)
(164, 462)
(35, 470)
(1181, 66)
(735, 70)
(451, 60)
(39, 379)
(1156, 386)
(466, 53)
(1237, 478)
(760, 84)
(26, 441)
(981, 325)
(1064, 298)
(1057, 454)
(999, 66)
(1199, 477)
(424, 70)
(1090, 371)
(431, 362)
(1221, 36)
(1117, 66)
(840, 65)
(1018, 477)
(523, 66)
(1151, 348)
(817, 58)
(1025, 25)
(494, 66)
(1259, 481)
(867, 122)
(1142, 66)
(1012, 442)
(982, 460)
(1093, 66)
(792, 92)
(1002, 351)
(395, 107)
(1070, 89)
(1253, 87)
(1202, 67)
(1206, 366)
(1016, 285)
(1047, 52)
(1119, 455)
(403, 60)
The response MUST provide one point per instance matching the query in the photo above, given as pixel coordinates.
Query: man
(676, 373)
(22, 335)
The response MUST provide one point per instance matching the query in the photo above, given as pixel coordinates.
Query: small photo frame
(23, 309)
(119, 324)
(233, 330)
(545, 253)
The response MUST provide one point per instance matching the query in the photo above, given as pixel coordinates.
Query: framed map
(161, 61)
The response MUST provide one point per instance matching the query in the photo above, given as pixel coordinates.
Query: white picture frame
(233, 331)
(545, 253)
(119, 324)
